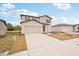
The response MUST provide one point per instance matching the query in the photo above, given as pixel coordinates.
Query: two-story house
(33, 24)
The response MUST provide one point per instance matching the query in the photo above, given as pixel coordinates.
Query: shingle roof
(34, 20)
(36, 16)
(3, 21)
(28, 15)
(62, 25)
(46, 16)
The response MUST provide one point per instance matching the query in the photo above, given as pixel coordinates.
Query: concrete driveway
(44, 45)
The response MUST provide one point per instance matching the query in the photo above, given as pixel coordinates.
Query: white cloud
(18, 12)
(54, 18)
(6, 7)
(23, 11)
(3, 13)
(58, 20)
(27, 12)
(68, 20)
(12, 15)
(62, 6)
(9, 9)
(63, 19)
(75, 21)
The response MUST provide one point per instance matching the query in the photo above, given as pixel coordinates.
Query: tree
(17, 27)
(10, 27)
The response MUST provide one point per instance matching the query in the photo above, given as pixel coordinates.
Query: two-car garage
(32, 29)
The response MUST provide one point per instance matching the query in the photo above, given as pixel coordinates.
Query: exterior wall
(55, 29)
(63, 28)
(76, 28)
(67, 28)
(44, 20)
(31, 27)
(3, 28)
(50, 28)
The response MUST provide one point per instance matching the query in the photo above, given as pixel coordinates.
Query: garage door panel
(33, 29)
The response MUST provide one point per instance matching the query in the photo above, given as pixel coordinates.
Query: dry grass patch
(8, 43)
(3, 43)
(63, 36)
(17, 45)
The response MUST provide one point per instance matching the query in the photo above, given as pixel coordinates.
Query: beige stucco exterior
(3, 28)
(62, 28)
(31, 27)
(65, 28)
(33, 24)
(44, 20)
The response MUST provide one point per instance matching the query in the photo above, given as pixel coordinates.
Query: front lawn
(16, 42)
(63, 36)
(3, 43)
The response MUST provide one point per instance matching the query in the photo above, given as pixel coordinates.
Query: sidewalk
(23, 53)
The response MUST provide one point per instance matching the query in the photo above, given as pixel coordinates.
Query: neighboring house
(3, 27)
(65, 28)
(33, 24)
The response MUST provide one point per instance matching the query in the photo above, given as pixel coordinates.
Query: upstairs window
(47, 21)
(32, 18)
(27, 18)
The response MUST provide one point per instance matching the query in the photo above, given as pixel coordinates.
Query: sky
(59, 12)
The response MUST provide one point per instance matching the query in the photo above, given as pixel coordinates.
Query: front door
(44, 31)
